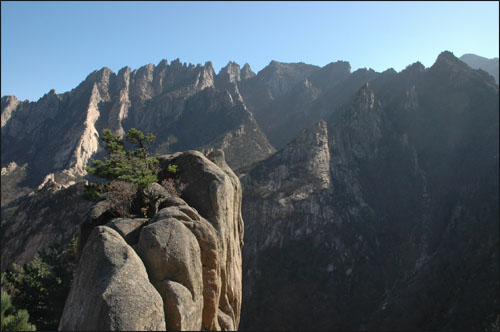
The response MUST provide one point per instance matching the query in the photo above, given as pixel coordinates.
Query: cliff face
(369, 236)
(179, 268)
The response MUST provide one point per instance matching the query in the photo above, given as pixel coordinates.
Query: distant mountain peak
(162, 64)
(457, 71)
(340, 64)
(246, 72)
(474, 56)
(446, 55)
(286, 66)
(415, 67)
(449, 59)
(232, 69)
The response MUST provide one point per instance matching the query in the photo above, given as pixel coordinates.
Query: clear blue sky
(46, 45)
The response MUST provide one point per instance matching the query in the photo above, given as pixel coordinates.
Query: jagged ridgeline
(181, 105)
(370, 199)
(386, 216)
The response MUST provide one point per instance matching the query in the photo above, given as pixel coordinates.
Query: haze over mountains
(370, 200)
(478, 62)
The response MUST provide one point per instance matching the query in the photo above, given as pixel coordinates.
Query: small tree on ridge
(133, 166)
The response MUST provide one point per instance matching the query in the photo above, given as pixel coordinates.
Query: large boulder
(111, 289)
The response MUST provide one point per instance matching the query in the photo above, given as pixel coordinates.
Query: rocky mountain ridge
(413, 163)
(59, 133)
(285, 98)
(379, 209)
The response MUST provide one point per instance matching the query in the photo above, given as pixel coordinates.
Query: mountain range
(370, 200)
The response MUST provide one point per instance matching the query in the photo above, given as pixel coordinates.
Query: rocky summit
(370, 199)
(177, 269)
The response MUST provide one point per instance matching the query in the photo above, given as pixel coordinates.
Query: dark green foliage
(133, 166)
(41, 286)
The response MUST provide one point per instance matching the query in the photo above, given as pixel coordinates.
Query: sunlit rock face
(179, 103)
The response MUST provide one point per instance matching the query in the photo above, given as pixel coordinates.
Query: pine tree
(133, 166)
(12, 319)
(41, 286)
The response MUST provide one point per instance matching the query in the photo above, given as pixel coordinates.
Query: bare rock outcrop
(186, 253)
(11, 103)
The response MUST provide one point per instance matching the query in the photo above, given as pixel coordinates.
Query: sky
(55, 44)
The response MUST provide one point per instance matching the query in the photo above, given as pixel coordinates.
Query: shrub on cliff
(173, 183)
(135, 166)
